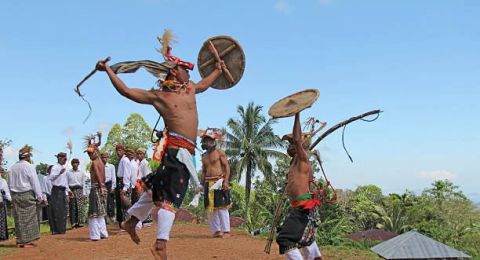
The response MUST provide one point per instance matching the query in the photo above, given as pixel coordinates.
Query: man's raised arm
(138, 95)
(206, 82)
(297, 139)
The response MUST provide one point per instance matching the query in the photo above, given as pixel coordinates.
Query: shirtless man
(175, 101)
(299, 228)
(214, 168)
(98, 196)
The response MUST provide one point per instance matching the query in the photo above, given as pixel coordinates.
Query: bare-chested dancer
(97, 199)
(175, 101)
(214, 168)
(299, 228)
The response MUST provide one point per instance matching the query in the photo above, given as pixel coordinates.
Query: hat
(75, 160)
(130, 151)
(25, 151)
(105, 154)
(213, 133)
(141, 150)
(119, 147)
(61, 155)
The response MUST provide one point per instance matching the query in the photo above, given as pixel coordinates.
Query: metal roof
(413, 245)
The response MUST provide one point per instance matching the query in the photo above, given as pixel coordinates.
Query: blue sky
(416, 60)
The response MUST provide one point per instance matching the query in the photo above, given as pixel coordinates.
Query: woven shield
(294, 103)
(227, 49)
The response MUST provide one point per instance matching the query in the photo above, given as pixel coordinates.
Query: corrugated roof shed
(413, 245)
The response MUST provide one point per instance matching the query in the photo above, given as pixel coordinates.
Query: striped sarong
(76, 205)
(3, 221)
(25, 216)
(110, 200)
(58, 210)
(96, 203)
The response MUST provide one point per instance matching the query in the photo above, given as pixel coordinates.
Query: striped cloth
(76, 206)
(25, 217)
(97, 203)
(159, 70)
(3, 221)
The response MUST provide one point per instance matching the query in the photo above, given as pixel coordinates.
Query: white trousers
(143, 208)
(309, 253)
(219, 221)
(97, 228)
(312, 251)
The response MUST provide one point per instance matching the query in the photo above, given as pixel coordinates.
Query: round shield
(294, 103)
(227, 49)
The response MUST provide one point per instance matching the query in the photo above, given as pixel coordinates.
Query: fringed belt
(173, 140)
(181, 143)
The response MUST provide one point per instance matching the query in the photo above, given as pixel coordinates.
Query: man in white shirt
(4, 197)
(144, 170)
(144, 167)
(47, 191)
(76, 181)
(111, 184)
(123, 184)
(42, 206)
(134, 177)
(26, 194)
(59, 193)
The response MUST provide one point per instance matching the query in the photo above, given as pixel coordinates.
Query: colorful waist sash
(172, 139)
(306, 201)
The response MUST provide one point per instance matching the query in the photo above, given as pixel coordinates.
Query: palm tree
(250, 143)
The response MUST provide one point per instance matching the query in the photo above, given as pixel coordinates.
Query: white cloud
(283, 7)
(436, 175)
(68, 130)
(104, 127)
(10, 153)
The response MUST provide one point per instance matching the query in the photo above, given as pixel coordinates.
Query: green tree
(251, 141)
(136, 132)
(445, 214)
(42, 168)
(393, 214)
(363, 205)
(114, 137)
(3, 144)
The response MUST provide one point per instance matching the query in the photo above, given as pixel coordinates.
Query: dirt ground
(187, 241)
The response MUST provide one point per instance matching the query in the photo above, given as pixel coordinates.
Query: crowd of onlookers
(60, 195)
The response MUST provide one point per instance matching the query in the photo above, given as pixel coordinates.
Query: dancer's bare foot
(159, 250)
(226, 235)
(218, 234)
(129, 226)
